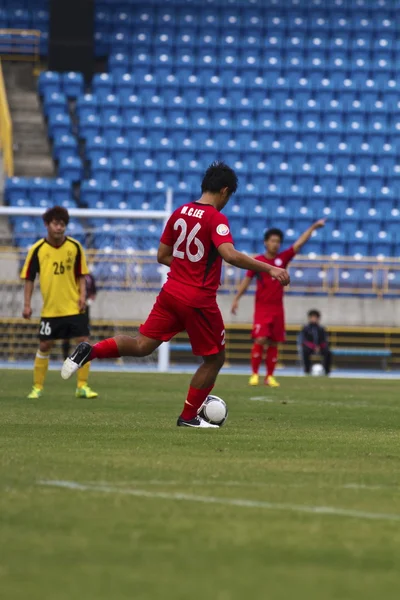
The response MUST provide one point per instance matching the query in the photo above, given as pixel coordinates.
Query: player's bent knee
(45, 346)
(215, 361)
(147, 345)
(261, 340)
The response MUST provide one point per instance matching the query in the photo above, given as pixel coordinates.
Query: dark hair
(57, 213)
(218, 176)
(314, 313)
(270, 232)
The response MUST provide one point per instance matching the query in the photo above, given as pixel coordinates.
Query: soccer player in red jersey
(195, 240)
(269, 316)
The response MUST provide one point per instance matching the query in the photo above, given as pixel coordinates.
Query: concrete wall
(367, 312)
(336, 311)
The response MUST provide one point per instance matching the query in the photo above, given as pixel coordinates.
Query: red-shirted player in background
(195, 239)
(269, 315)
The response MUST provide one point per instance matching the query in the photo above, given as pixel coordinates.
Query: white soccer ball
(317, 370)
(214, 410)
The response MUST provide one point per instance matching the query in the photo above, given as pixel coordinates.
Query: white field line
(269, 399)
(242, 503)
(195, 483)
(364, 486)
(243, 484)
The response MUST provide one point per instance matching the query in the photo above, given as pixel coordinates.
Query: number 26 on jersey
(182, 250)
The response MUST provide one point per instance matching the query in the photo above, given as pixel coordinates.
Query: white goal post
(83, 213)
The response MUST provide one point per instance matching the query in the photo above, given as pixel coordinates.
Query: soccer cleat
(78, 358)
(254, 379)
(35, 393)
(196, 422)
(85, 392)
(271, 381)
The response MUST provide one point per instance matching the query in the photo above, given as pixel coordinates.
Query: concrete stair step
(33, 172)
(32, 146)
(34, 160)
(4, 227)
(23, 97)
(40, 166)
(32, 156)
(26, 134)
(26, 117)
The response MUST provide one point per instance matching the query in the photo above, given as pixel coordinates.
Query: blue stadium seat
(86, 105)
(65, 145)
(38, 189)
(17, 189)
(114, 191)
(119, 148)
(102, 169)
(96, 146)
(49, 82)
(59, 124)
(72, 84)
(382, 244)
(103, 84)
(110, 105)
(70, 167)
(91, 192)
(89, 126)
(304, 102)
(54, 103)
(354, 278)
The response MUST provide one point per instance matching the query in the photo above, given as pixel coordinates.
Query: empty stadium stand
(24, 15)
(301, 97)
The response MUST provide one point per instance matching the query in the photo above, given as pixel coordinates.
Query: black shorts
(64, 328)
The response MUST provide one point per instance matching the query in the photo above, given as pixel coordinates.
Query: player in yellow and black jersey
(60, 263)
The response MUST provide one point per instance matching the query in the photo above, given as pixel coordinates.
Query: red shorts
(204, 326)
(271, 326)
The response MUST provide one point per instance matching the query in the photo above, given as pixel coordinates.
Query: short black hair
(273, 231)
(57, 213)
(218, 176)
(314, 313)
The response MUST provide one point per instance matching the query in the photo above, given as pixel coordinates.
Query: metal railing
(6, 130)
(21, 45)
(138, 270)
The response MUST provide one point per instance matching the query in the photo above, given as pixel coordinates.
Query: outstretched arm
(238, 259)
(307, 234)
(243, 287)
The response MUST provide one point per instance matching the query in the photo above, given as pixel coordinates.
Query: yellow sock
(40, 367)
(83, 375)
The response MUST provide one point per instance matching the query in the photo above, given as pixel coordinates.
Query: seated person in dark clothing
(314, 340)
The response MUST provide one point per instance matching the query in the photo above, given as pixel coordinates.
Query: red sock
(105, 349)
(256, 357)
(194, 400)
(272, 357)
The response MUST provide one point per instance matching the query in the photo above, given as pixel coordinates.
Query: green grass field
(298, 496)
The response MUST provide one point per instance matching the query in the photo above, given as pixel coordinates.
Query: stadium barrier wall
(19, 343)
(6, 132)
(371, 303)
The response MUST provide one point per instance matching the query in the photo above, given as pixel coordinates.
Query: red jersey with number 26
(269, 292)
(195, 231)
